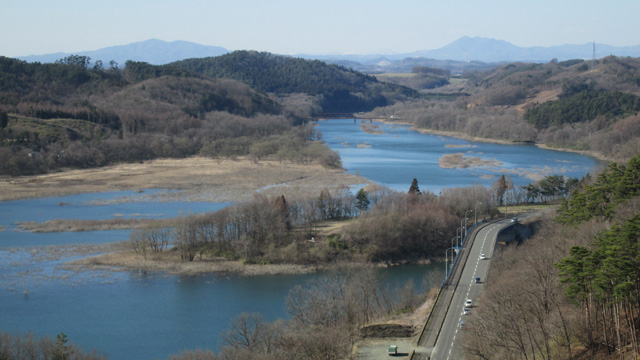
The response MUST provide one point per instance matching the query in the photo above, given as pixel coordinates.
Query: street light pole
(446, 264)
(465, 221)
(475, 212)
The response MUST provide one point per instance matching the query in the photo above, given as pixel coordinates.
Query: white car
(483, 257)
(466, 311)
(467, 303)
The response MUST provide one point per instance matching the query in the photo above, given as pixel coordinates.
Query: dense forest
(583, 107)
(580, 298)
(340, 90)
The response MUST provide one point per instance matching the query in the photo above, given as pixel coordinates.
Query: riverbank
(121, 258)
(170, 262)
(463, 136)
(195, 179)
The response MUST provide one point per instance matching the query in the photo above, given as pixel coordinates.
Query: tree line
(571, 291)
(618, 183)
(338, 89)
(47, 124)
(28, 347)
(391, 227)
(583, 106)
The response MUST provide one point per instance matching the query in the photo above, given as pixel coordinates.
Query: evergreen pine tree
(362, 200)
(414, 189)
(61, 350)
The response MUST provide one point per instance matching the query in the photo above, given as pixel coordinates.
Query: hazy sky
(33, 27)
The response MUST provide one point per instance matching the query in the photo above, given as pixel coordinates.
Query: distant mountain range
(465, 49)
(492, 51)
(153, 51)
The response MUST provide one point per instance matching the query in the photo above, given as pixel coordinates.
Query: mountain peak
(153, 51)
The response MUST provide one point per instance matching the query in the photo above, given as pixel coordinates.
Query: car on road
(466, 311)
(515, 220)
(462, 324)
(483, 257)
(467, 303)
(477, 279)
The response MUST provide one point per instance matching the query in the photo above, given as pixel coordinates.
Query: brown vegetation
(171, 262)
(524, 312)
(62, 225)
(198, 178)
(371, 129)
(28, 347)
(497, 100)
(460, 160)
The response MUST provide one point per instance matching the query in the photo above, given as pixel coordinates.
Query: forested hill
(575, 104)
(74, 114)
(340, 89)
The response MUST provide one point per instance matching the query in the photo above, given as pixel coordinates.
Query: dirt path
(199, 179)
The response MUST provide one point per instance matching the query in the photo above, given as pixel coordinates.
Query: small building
(393, 350)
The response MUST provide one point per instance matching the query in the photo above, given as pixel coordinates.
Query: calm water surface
(131, 315)
(398, 155)
(136, 316)
(101, 206)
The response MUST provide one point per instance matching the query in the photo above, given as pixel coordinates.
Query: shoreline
(196, 178)
(169, 262)
(463, 136)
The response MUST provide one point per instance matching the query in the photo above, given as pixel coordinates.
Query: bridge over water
(355, 117)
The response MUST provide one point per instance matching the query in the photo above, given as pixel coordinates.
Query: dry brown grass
(63, 225)
(332, 227)
(170, 262)
(371, 129)
(541, 97)
(199, 179)
(459, 160)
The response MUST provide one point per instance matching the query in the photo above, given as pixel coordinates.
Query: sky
(35, 27)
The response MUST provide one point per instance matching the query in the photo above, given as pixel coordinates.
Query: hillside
(578, 105)
(66, 115)
(338, 89)
(581, 269)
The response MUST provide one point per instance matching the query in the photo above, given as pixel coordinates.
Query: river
(395, 154)
(152, 315)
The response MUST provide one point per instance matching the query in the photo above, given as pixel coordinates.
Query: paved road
(462, 286)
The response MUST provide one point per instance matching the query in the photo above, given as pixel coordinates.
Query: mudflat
(197, 178)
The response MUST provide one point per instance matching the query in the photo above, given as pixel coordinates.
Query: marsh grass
(461, 161)
(371, 129)
(65, 225)
(171, 262)
(195, 179)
